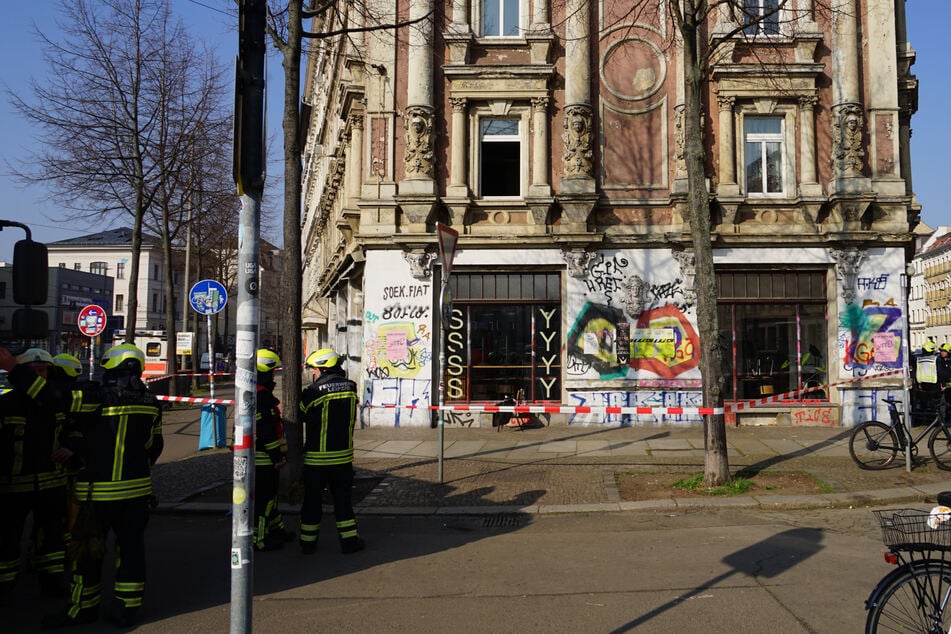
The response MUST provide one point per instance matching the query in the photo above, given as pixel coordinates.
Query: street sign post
(207, 298)
(91, 322)
(448, 238)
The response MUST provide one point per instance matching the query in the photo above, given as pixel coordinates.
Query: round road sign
(92, 320)
(208, 297)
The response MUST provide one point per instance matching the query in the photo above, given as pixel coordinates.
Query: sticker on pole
(208, 297)
(92, 321)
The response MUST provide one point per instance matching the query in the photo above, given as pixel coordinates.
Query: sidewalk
(553, 469)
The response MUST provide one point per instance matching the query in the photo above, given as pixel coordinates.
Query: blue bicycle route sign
(208, 297)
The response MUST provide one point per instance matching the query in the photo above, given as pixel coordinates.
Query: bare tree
(122, 102)
(287, 32)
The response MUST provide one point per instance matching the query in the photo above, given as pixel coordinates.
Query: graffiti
(371, 317)
(663, 342)
(872, 283)
(407, 291)
(394, 348)
(871, 336)
(814, 416)
(396, 396)
(862, 405)
(400, 311)
(576, 365)
(463, 419)
(606, 275)
(670, 293)
(643, 398)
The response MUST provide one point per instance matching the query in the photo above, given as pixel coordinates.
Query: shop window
(499, 18)
(773, 332)
(504, 337)
(764, 155)
(500, 153)
(761, 16)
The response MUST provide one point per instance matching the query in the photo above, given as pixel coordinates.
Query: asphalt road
(718, 571)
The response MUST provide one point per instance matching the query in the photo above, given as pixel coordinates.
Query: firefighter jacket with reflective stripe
(270, 447)
(32, 427)
(121, 445)
(329, 405)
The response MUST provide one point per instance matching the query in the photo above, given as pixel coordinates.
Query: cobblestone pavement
(551, 469)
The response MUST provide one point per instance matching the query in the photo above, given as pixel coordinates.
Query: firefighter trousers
(339, 478)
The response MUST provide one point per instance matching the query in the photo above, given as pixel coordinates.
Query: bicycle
(915, 596)
(874, 444)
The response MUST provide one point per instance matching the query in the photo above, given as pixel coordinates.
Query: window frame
(470, 293)
(519, 112)
(478, 20)
(786, 113)
(755, 30)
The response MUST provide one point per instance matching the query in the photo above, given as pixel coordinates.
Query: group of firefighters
(932, 379)
(77, 455)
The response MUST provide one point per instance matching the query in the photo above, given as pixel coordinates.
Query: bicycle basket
(908, 529)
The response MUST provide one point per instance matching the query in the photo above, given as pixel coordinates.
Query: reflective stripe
(114, 491)
(30, 482)
(327, 458)
(35, 387)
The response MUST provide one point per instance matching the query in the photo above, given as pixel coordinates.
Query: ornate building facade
(550, 135)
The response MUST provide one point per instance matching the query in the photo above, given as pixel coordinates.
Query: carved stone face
(418, 125)
(633, 299)
(577, 125)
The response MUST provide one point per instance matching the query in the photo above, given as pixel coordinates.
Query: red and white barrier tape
(189, 399)
(788, 395)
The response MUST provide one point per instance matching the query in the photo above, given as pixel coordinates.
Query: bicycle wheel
(939, 444)
(917, 601)
(873, 445)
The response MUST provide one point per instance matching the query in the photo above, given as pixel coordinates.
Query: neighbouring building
(933, 263)
(68, 292)
(550, 136)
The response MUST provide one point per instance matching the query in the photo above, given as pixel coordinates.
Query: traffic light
(30, 273)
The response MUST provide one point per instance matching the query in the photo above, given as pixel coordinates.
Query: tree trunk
(716, 462)
(291, 266)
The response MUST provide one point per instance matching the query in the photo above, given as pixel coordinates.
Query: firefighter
(33, 452)
(270, 456)
(114, 488)
(329, 406)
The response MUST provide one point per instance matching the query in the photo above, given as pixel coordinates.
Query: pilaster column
(807, 138)
(457, 173)
(727, 143)
(848, 118)
(418, 114)
(355, 163)
(540, 143)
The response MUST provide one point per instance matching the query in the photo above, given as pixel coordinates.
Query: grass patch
(694, 484)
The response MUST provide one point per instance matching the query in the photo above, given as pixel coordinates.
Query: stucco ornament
(420, 264)
(847, 264)
(633, 295)
(418, 157)
(577, 262)
(847, 152)
(688, 273)
(577, 138)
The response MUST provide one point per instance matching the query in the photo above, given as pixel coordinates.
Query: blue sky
(21, 58)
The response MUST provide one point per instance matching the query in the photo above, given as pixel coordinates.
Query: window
(120, 303)
(764, 155)
(155, 305)
(3, 290)
(120, 270)
(762, 16)
(500, 154)
(98, 268)
(500, 18)
(155, 272)
(774, 333)
(62, 265)
(504, 337)
(77, 266)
